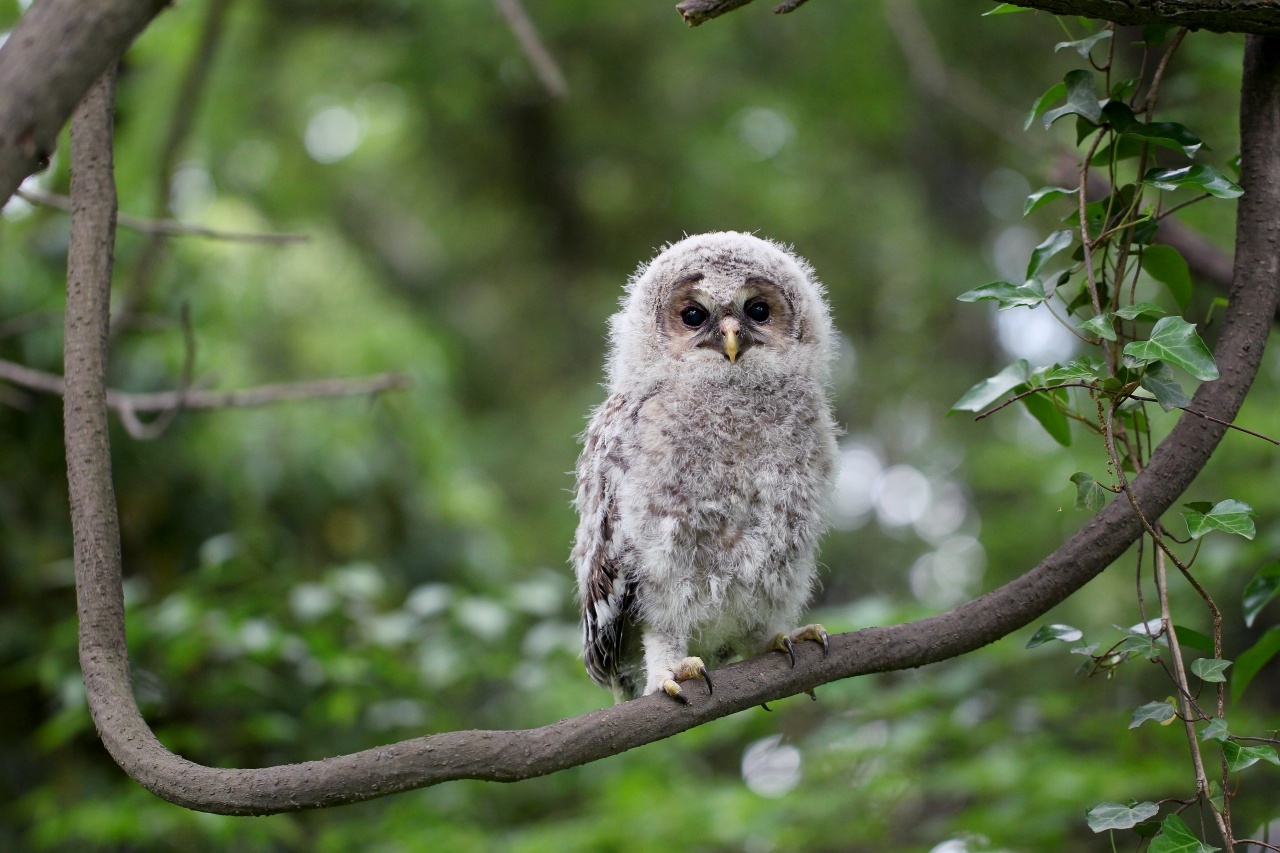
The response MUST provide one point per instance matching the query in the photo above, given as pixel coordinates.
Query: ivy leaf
(1216, 730)
(1142, 644)
(1200, 176)
(989, 390)
(1079, 368)
(1174, 340)
(1167, 266)
(1043, 196)
(1106, 816)
(1005, 9)
(1056, 91)
(1193, 639)
(1089, 492)
(1239, 757)
(1176, 837)
(1082, 99)
(1007, 295)
(1084, 45)
(1045, 633)
(1154, 34)
(1168, 134)
(1101, 326)
(1210, 669)
(1262, 587)
(1251, 661)
(1228, 516)
(1052, 245)
(1158, 379)
(1140, 309)
(1161, 712)
(1045, 410)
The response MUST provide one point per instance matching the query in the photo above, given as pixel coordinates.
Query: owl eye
(693, 316)
(758, 311)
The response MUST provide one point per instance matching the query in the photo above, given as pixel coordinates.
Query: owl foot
(786, 642)
(685, 670)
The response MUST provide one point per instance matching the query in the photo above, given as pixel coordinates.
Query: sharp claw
(673, 690)
(826, 644)
(765, 705)
(786, 641)
(813, 694)
(702, 670)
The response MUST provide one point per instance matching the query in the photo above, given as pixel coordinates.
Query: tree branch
(1225, 16)
(55, 52)
(533, 47)
(167, 227)
(196, 398)
(513, 755)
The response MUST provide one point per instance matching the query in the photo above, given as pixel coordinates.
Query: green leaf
(1193, 639)
(1251, 661)
(1168, 134)
(1212, 670)
(1140, 309)
(1005, 9)
(1101, 326)
(1084, 45)
(1045, 633)
(1043, 196)
(1262, 587)
(1167, 266)
(1106, 816)
(1082, 99)
(1216, 730)
(1239, 757)
(1089, 492)
(1052, 245)
(1056, 91)
(1142, 644)
(1176, 837)
(1154, 34)
(1174, 340)
(1045, 410)
(1159, 711)
(1200, 176)
(1158, 379)
(1228, 516)
(1077, 369)
(989, 390)
(1122, 89)
(1007, 295)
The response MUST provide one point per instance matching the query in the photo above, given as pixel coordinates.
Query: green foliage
(1176, 837)
(1105, 816)
(1228, 516)
(1260, 590)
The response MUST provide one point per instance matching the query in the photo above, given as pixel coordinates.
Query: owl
(705, 475)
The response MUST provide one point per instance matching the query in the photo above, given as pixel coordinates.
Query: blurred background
(317, 577)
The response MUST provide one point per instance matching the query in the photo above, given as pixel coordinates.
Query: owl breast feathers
(704, 478)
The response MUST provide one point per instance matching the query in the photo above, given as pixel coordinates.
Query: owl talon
(687, 669)
(673, 690)
(782, 643)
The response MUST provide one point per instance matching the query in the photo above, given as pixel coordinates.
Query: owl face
(726, 306)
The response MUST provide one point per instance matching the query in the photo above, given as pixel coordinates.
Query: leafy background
(314, 578)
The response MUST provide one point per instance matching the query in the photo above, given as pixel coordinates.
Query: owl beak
(729, 328)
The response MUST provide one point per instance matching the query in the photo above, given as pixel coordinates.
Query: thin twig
(533, 47)
(196, 398)
(149, 432)
(166, 227)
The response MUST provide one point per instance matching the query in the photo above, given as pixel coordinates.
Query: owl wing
(601, 556)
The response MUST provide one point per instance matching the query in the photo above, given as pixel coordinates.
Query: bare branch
(534, 48)
(166, 227)
(1226, 16)
(55, 52)
(197, 399)
(512, 755)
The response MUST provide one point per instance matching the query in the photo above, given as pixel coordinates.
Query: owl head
(725, 305)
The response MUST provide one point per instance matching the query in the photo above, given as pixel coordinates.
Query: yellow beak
(731, 344)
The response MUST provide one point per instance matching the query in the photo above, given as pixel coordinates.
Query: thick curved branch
(512, 755)
(1224, 16)
(50, 60)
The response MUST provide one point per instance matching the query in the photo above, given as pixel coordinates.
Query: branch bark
(1224, 16)
(512, 755)
(53, 55)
